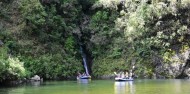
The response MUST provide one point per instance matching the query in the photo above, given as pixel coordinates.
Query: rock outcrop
(36, 78)
(179, 67)
(1, 43)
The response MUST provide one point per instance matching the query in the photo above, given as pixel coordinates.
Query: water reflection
(85, 86)
(124, 87)
(84, 81)
(36, 83)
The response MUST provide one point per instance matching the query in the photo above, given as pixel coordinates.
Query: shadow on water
(18, 89)
(3, 91)
(124, 87)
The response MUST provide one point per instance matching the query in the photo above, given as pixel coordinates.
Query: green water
(102, 87)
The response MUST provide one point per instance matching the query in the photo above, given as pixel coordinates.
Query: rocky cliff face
(177, 68)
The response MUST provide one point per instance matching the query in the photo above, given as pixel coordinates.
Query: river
(102, 87)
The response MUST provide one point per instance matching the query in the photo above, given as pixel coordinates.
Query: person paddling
(127, 75)
(130, 74)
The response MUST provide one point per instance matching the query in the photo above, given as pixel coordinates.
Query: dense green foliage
(10, 67)
(52, 52)
(152, 32)
(46, 36)
(44, 41)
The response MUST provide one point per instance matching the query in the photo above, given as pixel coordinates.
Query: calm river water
(102, 87)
